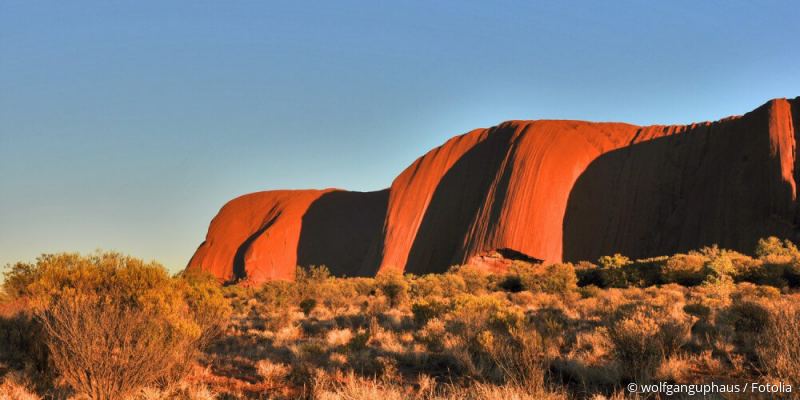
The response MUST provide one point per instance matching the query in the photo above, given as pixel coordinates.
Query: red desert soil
(549, 190)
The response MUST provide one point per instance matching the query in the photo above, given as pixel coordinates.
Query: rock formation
(546, 190)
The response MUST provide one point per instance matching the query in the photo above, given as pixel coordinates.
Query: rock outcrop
(546, 190)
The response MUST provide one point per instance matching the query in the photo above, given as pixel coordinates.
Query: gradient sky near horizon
(127, 125)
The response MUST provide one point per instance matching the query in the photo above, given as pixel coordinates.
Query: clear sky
(127, 126)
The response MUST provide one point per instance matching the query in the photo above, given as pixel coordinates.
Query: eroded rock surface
(549, 190)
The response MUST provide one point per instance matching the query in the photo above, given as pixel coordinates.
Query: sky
(127, 125)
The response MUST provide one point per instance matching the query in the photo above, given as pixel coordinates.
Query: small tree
(614, 271)
(308, 305)
(718, 278)
(113, 323)
(393, 285)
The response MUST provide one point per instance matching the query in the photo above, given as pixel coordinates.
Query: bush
(770, 273)
(427, 309)
(393, 285)
(718, 282)
(747, 290)
(511, 284)
(440, 285)
(553, 278)
(773, 247)
(521, 358)
(748, 317)
(778, 346)
(278, 295)
(22, 345)
(17, 280)
(648, 271)
(311, 274)
(589, 291)
(615, 272)
(112, 323)
(685, 269)
(484, 312)
(589, 274)
(308, 305)
(476, 280)
(558, 279)
(637, 344)
(108, 351)
(208, 306)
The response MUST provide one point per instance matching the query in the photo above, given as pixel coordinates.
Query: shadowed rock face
(546, 190)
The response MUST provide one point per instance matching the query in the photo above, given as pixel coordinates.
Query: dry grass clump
(272, 373)
(637, 346)
(673, 369)
(352, 387)
(778, 345)
(180, 390)
(14, 387)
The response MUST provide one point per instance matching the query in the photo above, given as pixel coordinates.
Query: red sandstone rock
(551, 190)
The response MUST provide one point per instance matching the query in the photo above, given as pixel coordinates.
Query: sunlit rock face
(536, 190)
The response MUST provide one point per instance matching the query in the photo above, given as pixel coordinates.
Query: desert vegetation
(106, 325)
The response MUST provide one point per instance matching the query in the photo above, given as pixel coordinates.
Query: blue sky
(128, 125)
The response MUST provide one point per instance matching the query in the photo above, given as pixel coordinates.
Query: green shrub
(479, 313)
(311, 274)
(615, 272)
(747, 290)
(744, 267)
(685, 269)
(448, 284)
(698, 310)
(308, 305)
(553, 278)
(550, 321)
(511, 284)
(17, 280)
(557, 279)
(649, 271)
(774, 247)
(589, 274)
(770, 273)
(393, 285)
(209, 308)
(589, 291)
(278, 295)
(519, 276)
(747, 317)
(427, 309)
(338, 293)
(476, 279)
(719, 282)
